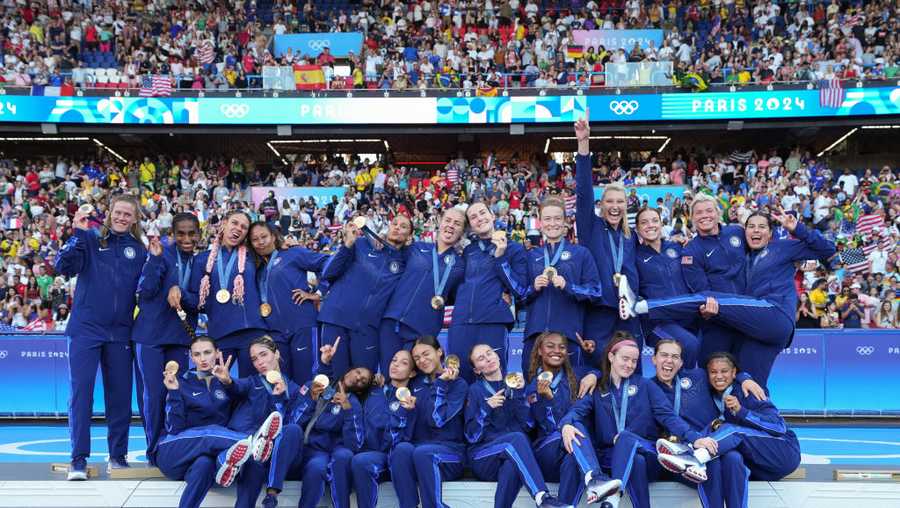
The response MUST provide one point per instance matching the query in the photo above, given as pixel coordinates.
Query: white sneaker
(263, 440)
(235, 458)
(626, 299)
(77, 470)
(680, 464)
(670, 448)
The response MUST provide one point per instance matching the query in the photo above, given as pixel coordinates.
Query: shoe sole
(235, 458)
(693, 477)
(79, 476)
(670, 465)
(663, 446)
(602, 495)
(263, 441)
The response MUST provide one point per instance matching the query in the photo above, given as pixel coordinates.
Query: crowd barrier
(823, 373)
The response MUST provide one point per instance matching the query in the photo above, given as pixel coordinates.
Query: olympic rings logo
(865, 350)
(234, 110)
(318, 44)
(623, 107)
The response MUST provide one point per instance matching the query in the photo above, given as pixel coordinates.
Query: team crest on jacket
(129, 252)
(394, 267)
(671, 253)
(335, 409)
(632, 390)
(277, 260)
(395, 405)
(219, 394)
(764, 253)
(565, 255)
(447, 259)
(686, 383)
(735, 241)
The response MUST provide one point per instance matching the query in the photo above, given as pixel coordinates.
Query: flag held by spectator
(575, 51)
(155, 85)
(855, 260)
(866, 223)
(831, 93)
(309, 77)
(486, 91)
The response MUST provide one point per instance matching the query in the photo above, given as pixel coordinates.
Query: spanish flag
(309, 77)
(574, 51)
(486, 91)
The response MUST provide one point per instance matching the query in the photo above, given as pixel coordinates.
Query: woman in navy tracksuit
(557, 303)
(610, 241)
(437, 451)
(751, 427)
(223, 285)
(108, 265)
(324, 429)
(494, 266)
(282, 279)
(659, 268)
(765, 317)
(390, 420)
(432, 270)
(363, 274)
(550, 400)
(159, 334)
(197, 447)
(497, 420)
(623, 415)
(688, 392)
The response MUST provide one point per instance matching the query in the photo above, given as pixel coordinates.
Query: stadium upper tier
(479, 44)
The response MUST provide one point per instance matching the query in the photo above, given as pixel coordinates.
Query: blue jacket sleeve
(547, 414)
(401, 426)
(153, 276)
(338, 264)
(353, 431)
(176, 419)
(579, 412)
(512, 268)
(449, 398)
(665, 415)
(584, 199)
(693, 267)
(310, 261)
(239, 387)
(73, 256)
(588, 287)
(477, 411)
(761, 415)
(808, 245)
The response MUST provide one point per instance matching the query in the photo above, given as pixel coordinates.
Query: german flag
(575, 51)
(309, 77)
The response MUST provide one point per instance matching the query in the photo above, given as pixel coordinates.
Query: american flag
(453, 175)
(739, 157)
(205, 53)
(831, 94)
(448, 315)
(38, 325)
(855, 260)
(883, 240)
(866, 223)
(571, 201)
(156, 85)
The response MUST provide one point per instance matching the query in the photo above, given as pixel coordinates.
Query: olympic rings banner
(833, 372)
(445, 110)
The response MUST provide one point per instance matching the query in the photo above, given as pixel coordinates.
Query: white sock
(588, 477)
(614, 500)
(641, 307)
(539, 497)
(702, 454)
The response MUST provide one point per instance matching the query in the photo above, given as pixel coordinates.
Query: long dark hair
(185, 217)
(566, 366)
(275, 232)
(722, 355)
(612, 346)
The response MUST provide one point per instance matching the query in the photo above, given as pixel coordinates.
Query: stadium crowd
(859, 209)
(436, 44)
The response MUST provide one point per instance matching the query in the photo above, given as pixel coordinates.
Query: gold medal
(616, 279)
(514, 380)
(172, 367)
(265, 310)
(452, 362)
(550, 272)
(86, 209)
(359, 222)
(403, 393)
(321, 380)
(273, 377)
(672, 438)
(222, 296)
(437, 302)
(498, 235)
(716, 424)
(545, 376)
